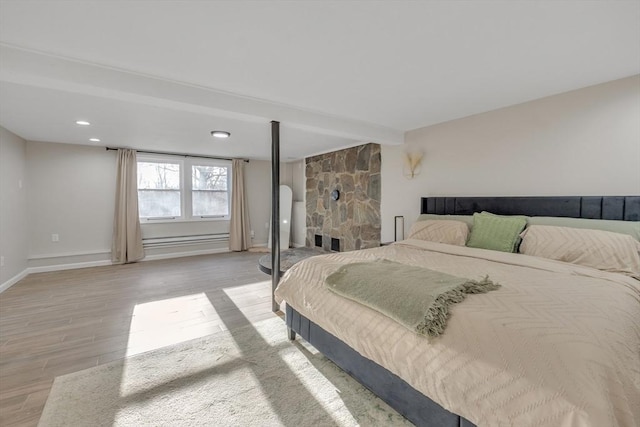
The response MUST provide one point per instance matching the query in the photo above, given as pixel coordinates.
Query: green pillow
(498, 233)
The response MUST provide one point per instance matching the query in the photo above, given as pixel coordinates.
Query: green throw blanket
(416, 297)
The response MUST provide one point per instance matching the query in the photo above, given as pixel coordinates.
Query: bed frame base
(397, 393)
(291, 334)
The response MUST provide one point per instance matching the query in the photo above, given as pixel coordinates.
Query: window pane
(159, 203)
(210, 203)
(161, 176)
(209, 177)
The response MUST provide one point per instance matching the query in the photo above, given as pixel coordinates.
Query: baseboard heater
(199, 239)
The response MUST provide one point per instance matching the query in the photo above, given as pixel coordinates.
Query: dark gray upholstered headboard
(624, 208)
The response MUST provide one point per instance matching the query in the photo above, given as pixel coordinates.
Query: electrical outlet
(55, 238)
(1, 261)
(253, 234)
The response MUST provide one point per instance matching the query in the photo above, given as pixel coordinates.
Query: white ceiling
(162, 74)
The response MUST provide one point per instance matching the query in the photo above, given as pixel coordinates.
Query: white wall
(299, 216)
(258, 177)
(584, 142)
(298, 181)
(258, 181)
(13, 209)
(71, 192)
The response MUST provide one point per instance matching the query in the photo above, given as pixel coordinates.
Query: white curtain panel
(240, 227)
(127, 236)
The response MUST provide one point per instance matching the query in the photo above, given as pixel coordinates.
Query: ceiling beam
(31, 68)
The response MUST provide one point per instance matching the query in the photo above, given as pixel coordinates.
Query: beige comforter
(557, 345)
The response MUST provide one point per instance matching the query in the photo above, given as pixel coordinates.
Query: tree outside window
(210, 190)
(167, 192)
(159, 190)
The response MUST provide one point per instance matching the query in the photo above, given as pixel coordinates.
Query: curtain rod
(177, 154)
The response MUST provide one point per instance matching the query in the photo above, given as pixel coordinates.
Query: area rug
(250, 376)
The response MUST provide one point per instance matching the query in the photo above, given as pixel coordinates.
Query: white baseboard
(105, 252)
(264, 245)
(185, 254)
(73, 266)
(15, 279)
(97, 263)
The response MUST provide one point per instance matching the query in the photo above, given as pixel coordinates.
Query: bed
(526, 354)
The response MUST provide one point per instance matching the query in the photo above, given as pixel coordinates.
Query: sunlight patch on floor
(166, 322)
(246, 297)
(321, 388)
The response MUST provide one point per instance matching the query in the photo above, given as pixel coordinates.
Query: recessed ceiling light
(82, 123)
(220, 134)
(94, 140)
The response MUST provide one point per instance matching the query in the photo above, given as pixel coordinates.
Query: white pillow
(440, 231)
(599, 249)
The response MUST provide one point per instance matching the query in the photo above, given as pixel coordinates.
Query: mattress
(556, 345)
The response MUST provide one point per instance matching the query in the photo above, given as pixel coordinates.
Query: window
(190, 189)
(210, 190)
(159, 190)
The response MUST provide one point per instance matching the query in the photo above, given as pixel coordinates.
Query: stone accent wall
(355, 217)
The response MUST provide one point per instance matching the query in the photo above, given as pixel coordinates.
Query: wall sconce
(412, 164)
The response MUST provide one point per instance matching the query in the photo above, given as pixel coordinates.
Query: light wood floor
(52, 324)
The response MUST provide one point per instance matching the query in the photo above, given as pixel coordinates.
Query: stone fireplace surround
(353, 219)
